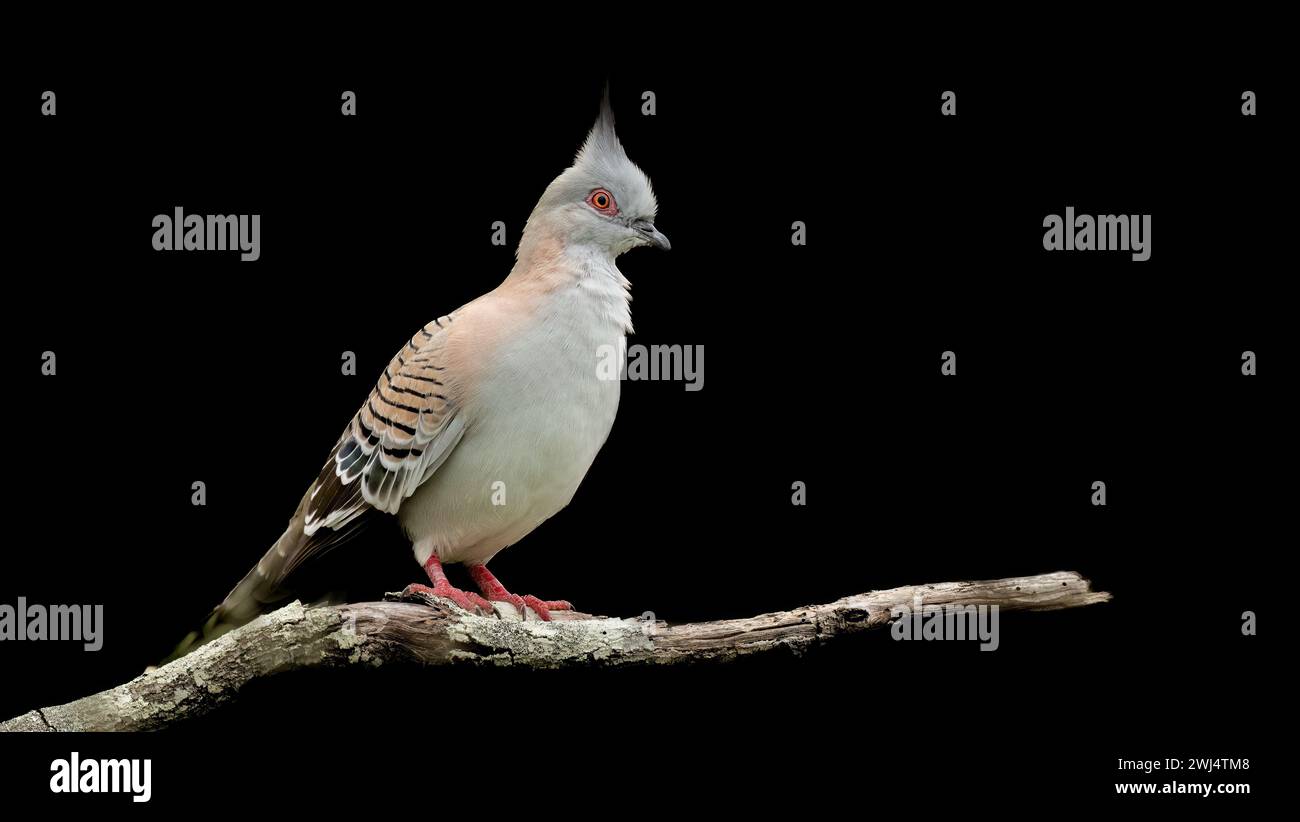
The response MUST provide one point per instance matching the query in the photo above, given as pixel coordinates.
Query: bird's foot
(496, 592)
(466, 600)
(541, 607)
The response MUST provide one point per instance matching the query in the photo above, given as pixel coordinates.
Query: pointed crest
(602, 145)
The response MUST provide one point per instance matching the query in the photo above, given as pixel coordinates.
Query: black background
(822, 366)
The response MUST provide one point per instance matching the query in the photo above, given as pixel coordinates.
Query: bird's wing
(406, 429)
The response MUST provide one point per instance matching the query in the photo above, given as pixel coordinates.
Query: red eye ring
(602, 201)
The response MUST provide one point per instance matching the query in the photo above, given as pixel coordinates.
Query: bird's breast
(554, 395)
(539, 416)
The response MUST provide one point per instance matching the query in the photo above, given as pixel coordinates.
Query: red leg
(496, 592)
(442, 587)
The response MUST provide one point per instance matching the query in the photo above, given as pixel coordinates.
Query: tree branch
(432, 632)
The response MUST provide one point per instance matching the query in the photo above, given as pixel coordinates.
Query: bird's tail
(259, 588)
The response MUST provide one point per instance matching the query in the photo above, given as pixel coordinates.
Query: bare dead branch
(432, 632)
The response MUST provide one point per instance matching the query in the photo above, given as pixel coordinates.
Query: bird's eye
(602, 201)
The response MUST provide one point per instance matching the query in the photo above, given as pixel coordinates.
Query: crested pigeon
(501, 395)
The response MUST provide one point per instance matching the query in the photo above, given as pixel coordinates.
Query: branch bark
(432, 632)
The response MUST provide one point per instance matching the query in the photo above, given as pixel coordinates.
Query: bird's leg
(496, 592)
(442, 587)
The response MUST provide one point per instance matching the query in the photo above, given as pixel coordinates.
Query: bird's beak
(651, 234)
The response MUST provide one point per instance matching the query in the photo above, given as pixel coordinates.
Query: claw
(465, 600)
(496, 592)
(442, 588)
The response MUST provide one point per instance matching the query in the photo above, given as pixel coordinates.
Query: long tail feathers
(259, 587)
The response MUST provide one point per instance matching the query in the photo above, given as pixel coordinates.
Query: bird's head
(603, 199)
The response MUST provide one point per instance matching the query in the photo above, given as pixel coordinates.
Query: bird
(487, 420)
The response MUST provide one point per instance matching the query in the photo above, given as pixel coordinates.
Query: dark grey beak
(651, 234)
